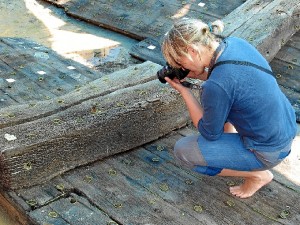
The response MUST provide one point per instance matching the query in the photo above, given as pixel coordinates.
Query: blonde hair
(188, 33)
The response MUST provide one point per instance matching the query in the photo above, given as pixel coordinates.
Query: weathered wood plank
(183, 189)
(263, 202)
(23, 90)
(287, 74)
(120, 197)
(73, 209)
(294, 99)
(141, 19)
(6, 100)
(245, 12)
(38, 72)
(278, 21)
(286, 67)
(18, 216)
(124, 198)
(131, 76)
(148, 49)
(37, 154)
(149, 183)
(8, 79)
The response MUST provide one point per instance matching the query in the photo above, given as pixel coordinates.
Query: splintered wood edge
(12, 211)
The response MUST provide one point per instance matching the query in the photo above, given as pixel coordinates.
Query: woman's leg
(211, 158)
(254, 180)
(187, 152)
(229, 128)
(228, 157)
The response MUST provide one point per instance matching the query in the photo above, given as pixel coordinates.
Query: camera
(168, 71)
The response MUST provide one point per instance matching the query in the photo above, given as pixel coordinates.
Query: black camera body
(168, 71)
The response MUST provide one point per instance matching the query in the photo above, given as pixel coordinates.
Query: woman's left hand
(175, 83)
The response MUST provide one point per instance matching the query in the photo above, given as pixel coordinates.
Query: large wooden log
(267, 25)
(113, 114)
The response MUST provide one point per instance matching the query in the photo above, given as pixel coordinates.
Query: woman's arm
(193, 105)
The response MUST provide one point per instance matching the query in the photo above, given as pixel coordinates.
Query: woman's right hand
(191, 101)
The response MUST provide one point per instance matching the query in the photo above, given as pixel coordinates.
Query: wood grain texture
(92, 122)
(146, 186)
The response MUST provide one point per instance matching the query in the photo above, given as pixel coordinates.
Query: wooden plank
(23, 90)
(133, 75)
(44, 72)
(116, 195)
(36, 155)
(68, 70)
(263, 202)
(57, 202)
(286, 73)
(39, 72)
(294, 99)
(294, 42)
(16, 215)
(125, 199)
(43, 194)
(278, 21)
(146, 181)
(286, 67)
(245, 12)
(73, 209)
(6, 100)
(141, 19)
(148, 49)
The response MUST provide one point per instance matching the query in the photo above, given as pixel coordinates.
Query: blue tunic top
(248, 98)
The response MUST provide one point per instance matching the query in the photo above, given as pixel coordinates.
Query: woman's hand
(175, 83)
(191, 102)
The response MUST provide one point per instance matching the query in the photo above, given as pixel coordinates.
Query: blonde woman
(239, 94)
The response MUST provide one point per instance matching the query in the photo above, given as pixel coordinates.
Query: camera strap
(243, 63)
(235, 62)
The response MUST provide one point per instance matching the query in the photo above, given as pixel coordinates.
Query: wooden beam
(112, 114)
(142, 19)
(267, 25)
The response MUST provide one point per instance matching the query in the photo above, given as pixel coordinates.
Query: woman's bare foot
(252, 184)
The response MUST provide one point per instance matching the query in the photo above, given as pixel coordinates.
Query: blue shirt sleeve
(216, 106)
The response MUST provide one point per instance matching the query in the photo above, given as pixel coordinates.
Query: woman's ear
(192, 51)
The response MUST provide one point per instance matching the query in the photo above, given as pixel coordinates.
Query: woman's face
(196, 63)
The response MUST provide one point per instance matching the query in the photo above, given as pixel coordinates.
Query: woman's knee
(180, 150)
(187, 151)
